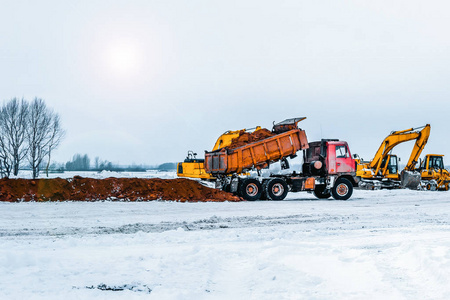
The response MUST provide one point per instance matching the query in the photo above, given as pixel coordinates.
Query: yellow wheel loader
(382, 171)
(433, 174)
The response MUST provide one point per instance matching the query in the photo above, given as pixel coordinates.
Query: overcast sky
(145, 81)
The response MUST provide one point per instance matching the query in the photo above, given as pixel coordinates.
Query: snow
(101, 175)
(377, 245)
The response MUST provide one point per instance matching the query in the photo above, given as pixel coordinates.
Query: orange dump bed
(256, 155)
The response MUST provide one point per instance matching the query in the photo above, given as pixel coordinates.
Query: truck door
(331, 159)
(344, 161)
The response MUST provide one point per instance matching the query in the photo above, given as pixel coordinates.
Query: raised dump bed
(288, 139)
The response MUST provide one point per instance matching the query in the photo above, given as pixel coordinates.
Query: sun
(123, 59)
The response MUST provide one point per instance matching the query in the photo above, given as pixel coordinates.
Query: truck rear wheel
(321, 192)
(250, 189)
(276, 189)
(342, 189)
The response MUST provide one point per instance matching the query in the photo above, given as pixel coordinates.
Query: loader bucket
(410, 179)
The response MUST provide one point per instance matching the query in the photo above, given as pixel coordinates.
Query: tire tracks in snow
(212, 223)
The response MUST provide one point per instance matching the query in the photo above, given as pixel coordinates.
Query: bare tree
(31, 129)
(5, 157)
(56, 135)
(39, 134)
(13, 125)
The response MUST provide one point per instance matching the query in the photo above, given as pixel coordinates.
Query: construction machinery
(383, 172)
(193, 167)
(328, 168)
(433, 174)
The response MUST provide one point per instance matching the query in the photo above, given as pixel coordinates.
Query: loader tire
(342, 189)
(321, 193)
(250, 189)
(276, 189)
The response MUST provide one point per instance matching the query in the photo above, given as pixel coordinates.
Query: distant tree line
(29, 132)
(167, 167)
(81, 162)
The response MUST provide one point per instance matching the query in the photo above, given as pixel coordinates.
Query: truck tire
(250, 189)
(342, 189)
(276, 189)
(319, 192)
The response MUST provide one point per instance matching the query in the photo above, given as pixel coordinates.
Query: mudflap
(410, 179)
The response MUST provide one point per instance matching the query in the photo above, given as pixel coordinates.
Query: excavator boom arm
(418, 147)
(398, 137)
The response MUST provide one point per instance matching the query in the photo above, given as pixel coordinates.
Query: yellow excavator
(192, 167)
(382, 171)
(433, 173)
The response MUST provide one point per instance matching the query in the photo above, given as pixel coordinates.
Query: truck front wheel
(250, 189)
(276, 189)
(342, 189)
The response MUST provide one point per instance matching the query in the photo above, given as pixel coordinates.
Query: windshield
(392, 167)
(436, 162)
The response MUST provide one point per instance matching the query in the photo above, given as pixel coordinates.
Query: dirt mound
(245, 138)
(89, 189)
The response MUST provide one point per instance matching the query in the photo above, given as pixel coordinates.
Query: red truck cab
(339, 159)
(333, 162)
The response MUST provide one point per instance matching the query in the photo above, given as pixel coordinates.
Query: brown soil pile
(245, 138)
(88, 189)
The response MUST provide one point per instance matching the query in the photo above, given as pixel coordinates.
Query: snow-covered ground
(101, 175)
(377, 245)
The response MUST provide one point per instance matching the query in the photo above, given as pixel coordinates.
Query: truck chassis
(276, 187)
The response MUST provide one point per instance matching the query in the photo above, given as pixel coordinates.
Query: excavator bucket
(410, 179)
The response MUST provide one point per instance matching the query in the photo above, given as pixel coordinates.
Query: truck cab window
(341, 152)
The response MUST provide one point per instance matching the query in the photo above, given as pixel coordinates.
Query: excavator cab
(193, 167)
(391, 170)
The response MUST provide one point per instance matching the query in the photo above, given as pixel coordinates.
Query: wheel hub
(342, 189)
(278, 189)
(252, 189)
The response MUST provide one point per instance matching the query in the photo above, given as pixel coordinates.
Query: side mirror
(399, 159)
(356, 156)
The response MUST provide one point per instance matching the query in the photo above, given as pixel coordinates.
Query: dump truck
(328, 168)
